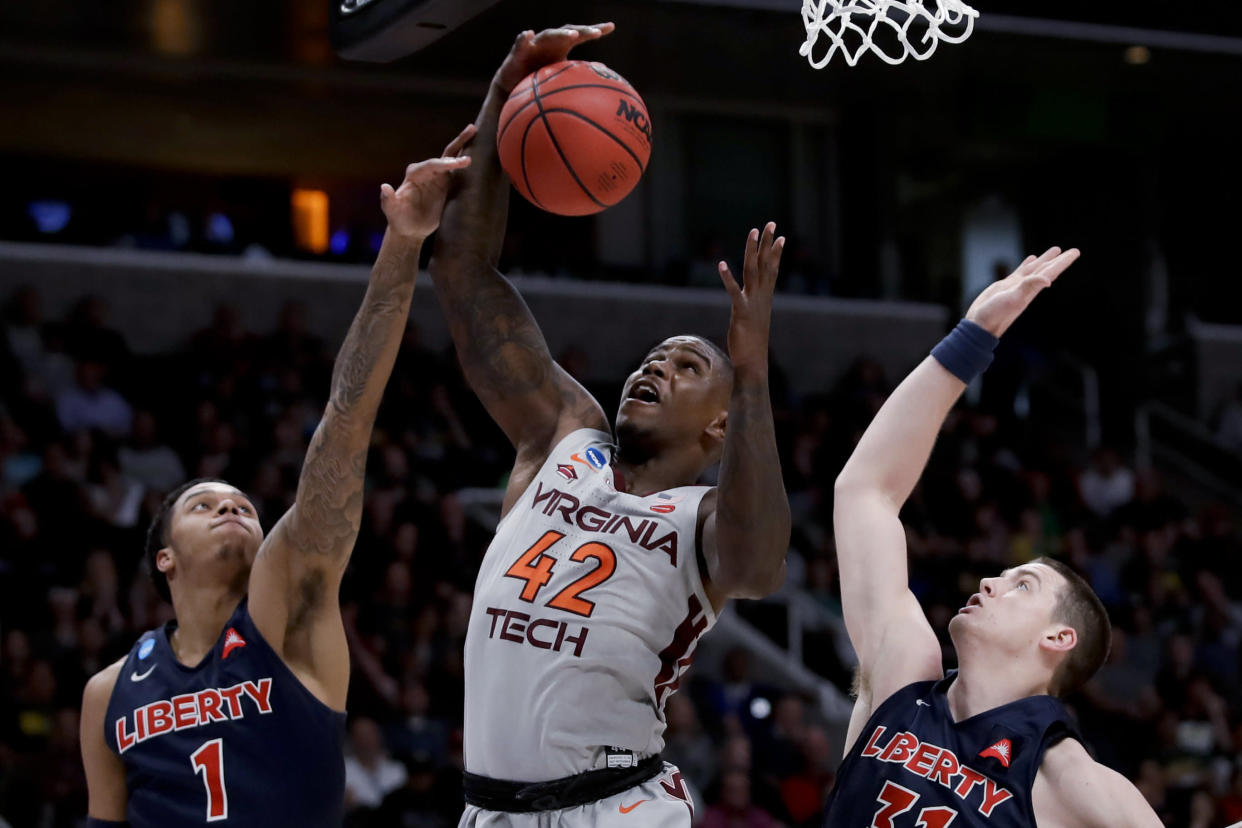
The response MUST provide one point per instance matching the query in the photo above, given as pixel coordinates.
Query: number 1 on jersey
(209, 760)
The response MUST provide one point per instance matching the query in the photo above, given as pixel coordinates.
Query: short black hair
(157, 532)
(1079, 607)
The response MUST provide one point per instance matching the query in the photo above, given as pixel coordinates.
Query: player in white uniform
(608, 563)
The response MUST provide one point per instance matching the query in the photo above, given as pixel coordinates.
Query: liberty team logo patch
(232, 640)
(146, 648)
(1002, 751)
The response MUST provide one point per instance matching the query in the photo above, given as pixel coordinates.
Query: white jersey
(587, 609)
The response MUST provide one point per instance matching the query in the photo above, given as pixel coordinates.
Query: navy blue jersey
(914, 766)
(237, 739)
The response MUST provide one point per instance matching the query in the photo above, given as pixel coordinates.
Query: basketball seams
(545, 112)
(518, 90)
(569, 64)
(628, 93)
(547, 125)
(522, 154)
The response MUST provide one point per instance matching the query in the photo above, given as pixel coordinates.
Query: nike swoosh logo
(623, 809)
(921, 702)
(138, 677)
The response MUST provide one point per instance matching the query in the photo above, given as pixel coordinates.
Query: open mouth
(975, 601)
(644, 392)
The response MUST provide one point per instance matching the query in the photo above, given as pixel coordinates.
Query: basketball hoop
(892, 29)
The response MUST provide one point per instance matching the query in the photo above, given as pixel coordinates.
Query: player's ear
(716, 428)
(164, 560)
(1059, 639)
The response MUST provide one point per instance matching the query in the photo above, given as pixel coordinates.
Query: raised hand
(752, 301)
(414, 208)
(1003, 301)
(531, 51)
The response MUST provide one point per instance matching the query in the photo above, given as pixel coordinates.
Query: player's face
(681, 387)
(1012, 612)
(214, 535)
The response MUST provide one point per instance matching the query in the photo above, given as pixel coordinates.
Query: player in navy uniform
(233, 713)
(989, 745)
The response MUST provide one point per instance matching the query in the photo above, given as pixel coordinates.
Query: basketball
(574, 137)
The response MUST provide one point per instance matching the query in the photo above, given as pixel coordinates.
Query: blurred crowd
(92, 435)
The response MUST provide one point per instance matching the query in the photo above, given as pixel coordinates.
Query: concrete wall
(1218, 354)
(159, 299)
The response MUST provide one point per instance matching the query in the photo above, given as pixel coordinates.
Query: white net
(892, 29)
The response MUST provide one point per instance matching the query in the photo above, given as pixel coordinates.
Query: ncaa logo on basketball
(146, 648)
(636, 117)
(596, 458)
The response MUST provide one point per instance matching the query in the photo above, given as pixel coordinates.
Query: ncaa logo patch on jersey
(146, 648)
(596, 458)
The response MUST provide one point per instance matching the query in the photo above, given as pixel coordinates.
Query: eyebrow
(191, 495)
(692, 349)
(1020, 571)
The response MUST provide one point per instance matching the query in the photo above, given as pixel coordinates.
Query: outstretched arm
(502, 351)
(895, 644)
(745, 538)
(297, 574)
(1074, 790)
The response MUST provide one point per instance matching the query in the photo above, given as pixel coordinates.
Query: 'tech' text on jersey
(237, 739)
(913, 765)
(587, 610)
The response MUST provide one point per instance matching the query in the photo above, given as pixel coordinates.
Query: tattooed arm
(501, 349)
(746, 526)
(297, 573)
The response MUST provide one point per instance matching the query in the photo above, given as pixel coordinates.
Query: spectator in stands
(1172, 576)
(805, 792)
(23, 330)
(417, 734)
(89, 336)
(686, 745)
(1106, 484)
(733, 808)
(90, 404)
(370, 773)
(419, 802)
(148, 460)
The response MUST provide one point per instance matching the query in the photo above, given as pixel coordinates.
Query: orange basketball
(574, 137)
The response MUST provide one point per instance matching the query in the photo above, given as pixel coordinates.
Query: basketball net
(892, 29)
